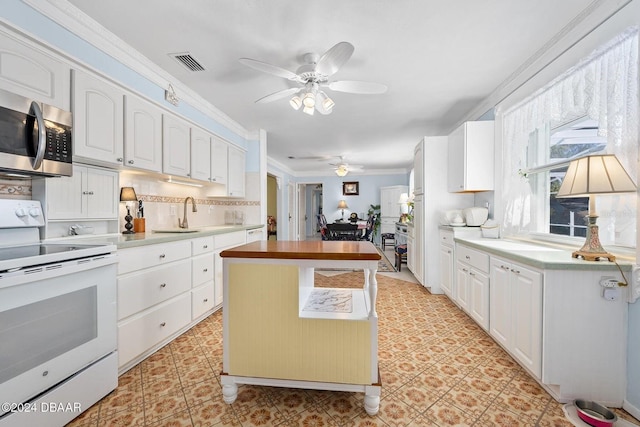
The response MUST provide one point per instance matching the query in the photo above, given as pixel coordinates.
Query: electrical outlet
(173, 210)
(608, 282)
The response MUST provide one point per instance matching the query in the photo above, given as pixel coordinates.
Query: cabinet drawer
(140, 333)
(202, 300)
(473, 257)
(230, 239)
(140, 290)
(202, 245)
(446, 237)
(202, 269)
(152, 255)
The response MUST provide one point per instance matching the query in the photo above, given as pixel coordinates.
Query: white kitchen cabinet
(203, 275)
(472, 284)
(142, 134)
(418, 169)
(429, 203)
(200, 154)
(98, 120)
(447, 263)
(154, 299)
(236, 172)
(91, 193)
(176, 146)
(389, 207)
(516, 312)
(411, 255)
(255, 235)
(222, 242)
(219, 155)
(419, 246)
(34, 73)
(471, 157)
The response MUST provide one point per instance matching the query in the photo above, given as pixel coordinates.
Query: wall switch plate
(173, 210)
(608, 282)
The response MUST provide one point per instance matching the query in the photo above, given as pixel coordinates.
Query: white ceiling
(439, 59)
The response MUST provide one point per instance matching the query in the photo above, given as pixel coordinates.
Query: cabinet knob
(205, 300)
(213, 179)
(204, 270)
(205, 246)
(130, 162)
(163, 324)
(471, 273)
(163, 285)
(448, 252)
(467, 257)
(162, 256)
(515, 271)
(119, 159)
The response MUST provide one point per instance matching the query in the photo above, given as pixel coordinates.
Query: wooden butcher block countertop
(317, 249)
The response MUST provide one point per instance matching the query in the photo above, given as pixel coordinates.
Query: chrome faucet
(184, 223)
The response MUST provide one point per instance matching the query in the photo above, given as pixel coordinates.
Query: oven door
(54, 321)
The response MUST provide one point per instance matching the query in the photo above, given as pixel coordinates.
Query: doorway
(309, 206)
(272, 206)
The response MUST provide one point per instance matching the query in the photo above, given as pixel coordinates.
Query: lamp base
(593, 256)
(592, 250)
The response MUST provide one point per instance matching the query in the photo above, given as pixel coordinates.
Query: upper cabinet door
(219, 149)
(176, 146)
(142, 134)
(471, 151)
(200, 155)
(98, 120)
(235, 183)
(29, 72)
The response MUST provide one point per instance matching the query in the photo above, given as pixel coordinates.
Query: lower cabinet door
(202, 300)
(143, 331)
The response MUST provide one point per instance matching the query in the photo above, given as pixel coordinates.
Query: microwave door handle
(42, 135)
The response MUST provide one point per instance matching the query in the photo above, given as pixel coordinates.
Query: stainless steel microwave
(35, 138)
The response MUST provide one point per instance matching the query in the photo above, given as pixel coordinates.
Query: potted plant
(375, 210)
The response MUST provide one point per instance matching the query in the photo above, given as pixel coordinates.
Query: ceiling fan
(342, 168)
(313, 77)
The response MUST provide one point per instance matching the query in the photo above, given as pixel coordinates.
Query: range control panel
(20, 213)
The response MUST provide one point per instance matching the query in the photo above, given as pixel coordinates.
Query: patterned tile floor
(438, 368)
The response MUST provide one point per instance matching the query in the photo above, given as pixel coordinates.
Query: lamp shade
(342, 205)
(128, 194)
(597, 174)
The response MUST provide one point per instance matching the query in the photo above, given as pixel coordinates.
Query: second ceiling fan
(313, 77)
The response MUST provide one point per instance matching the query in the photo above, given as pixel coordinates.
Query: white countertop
(539, 255)
(149, 238)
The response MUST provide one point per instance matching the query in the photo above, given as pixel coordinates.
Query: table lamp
(342, 205)
(128, 194)
(591, 176)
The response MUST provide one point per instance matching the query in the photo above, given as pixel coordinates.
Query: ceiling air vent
(187, 60)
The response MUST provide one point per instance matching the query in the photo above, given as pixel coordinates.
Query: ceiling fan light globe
(308, 110)
(342, 171)
(328, 103)
(309, 100)
(295, 102)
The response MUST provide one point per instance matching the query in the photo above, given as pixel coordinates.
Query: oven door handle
(42, 135)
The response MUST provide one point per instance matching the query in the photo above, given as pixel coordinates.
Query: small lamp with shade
(590, 176)
(128, 194)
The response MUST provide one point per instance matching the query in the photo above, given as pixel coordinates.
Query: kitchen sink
(176, 230)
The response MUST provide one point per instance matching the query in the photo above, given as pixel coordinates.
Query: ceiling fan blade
(268, 68)
(353, 86)
(334, 58)
(277, 95)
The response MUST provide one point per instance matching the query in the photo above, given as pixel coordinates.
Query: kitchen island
(281, 330)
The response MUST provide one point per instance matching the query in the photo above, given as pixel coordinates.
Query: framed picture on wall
(351, 188)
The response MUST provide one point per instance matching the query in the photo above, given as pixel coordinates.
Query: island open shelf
(281, 330)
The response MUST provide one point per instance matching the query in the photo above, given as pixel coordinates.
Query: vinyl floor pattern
(438, 368)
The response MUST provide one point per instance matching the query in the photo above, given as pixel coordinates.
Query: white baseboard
(633, 410)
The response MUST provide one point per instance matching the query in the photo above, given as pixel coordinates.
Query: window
(548, 153)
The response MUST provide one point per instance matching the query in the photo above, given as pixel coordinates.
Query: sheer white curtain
(604, 87)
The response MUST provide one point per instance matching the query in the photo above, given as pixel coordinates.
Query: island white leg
(229, 389)
(372, 400)
(373, 292)
(366, 280)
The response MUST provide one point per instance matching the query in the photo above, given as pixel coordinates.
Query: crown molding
(77, 22)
